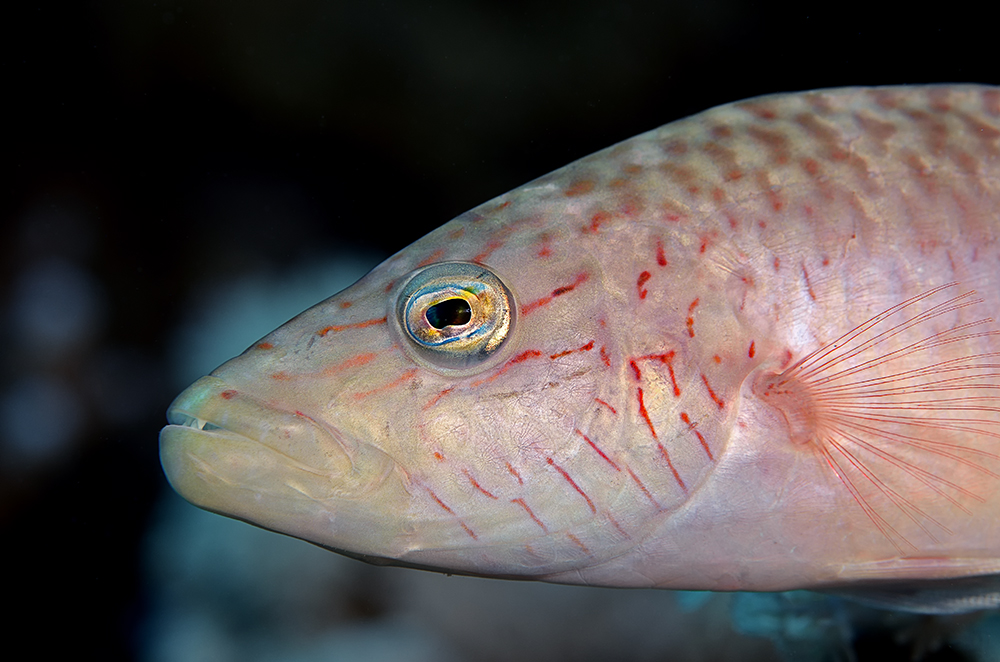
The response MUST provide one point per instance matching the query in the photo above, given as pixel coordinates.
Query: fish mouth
(228, 452)
(211, 417)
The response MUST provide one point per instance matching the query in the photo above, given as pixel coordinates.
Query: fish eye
(454, 315)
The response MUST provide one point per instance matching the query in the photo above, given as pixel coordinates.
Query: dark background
(152, 148)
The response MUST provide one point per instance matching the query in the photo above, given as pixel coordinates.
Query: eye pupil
(450, 312)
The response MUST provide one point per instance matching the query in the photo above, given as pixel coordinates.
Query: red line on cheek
(711, 393)
(402, 379)
(479, 487)
(355, 325)
(577, 542)
(228, 394)
(448, 510)
(642, 487)
(352, 362)
(704, 445)
(437, 397)
(524, 356)
(677, 476)
(692, 427)
(645, 415)
(513, 472)
(618, 526)
(751, 352)
(599, 451)
(440, 502)
(528, 510)
(602, 402)
(559, 291)
(604, 356)
(635, 369)
(520, 358)
(572, 483)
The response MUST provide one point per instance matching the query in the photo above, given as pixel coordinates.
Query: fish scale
(752, 349)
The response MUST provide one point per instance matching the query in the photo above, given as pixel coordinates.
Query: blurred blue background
(180, 177)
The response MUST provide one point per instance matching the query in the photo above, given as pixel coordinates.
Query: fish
(751, 350)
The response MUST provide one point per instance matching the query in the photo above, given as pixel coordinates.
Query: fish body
(749, 350)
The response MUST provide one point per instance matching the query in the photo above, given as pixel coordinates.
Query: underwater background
(180, 177)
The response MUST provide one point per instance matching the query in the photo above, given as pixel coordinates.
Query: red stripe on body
(677, 476)
(645, 415)
(602, 402)
(643, 277)
(599, 451)
(531, 514)
(572, 483)
(661, 259)
(711, 393)
(642, 487)
(577, 542)
(479, 487)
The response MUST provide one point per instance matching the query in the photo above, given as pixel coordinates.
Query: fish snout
(228, 452)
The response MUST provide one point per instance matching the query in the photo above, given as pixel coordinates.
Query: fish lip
(212, 408)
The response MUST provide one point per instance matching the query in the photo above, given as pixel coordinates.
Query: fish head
(403, 419)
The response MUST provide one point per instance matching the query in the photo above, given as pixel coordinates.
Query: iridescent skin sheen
(697, 390)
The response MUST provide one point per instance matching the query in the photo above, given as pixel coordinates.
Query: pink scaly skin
(700, 389)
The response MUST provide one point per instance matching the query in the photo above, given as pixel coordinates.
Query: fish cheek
(447, 432)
